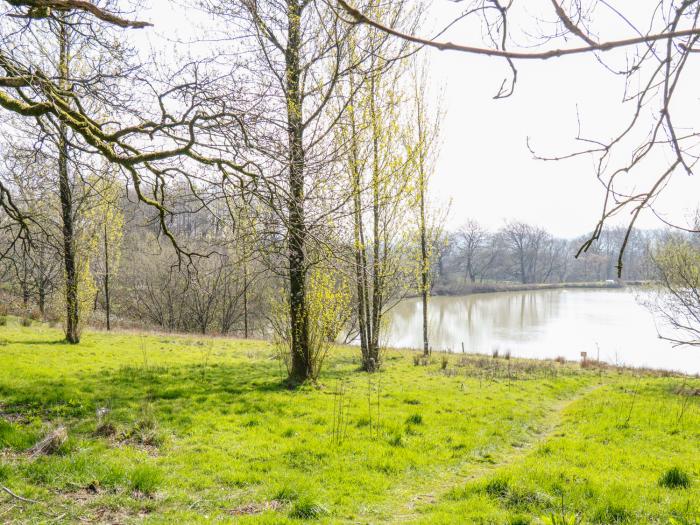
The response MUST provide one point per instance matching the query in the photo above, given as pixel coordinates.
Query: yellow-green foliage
(679, 263)
(327, 308)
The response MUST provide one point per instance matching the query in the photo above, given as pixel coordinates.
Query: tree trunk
(424, 262)
(66, 197)
(358, 236)
(106, 282)
(377, 278)
(245, 296)
(301, 365)
(42, 298)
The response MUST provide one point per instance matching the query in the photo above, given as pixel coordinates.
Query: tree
(298, 60)
(421, 147)
(677, 299)
(107, 222)
(525, 244)
(369, 137)
(473, 239)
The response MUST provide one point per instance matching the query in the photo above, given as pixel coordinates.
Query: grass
(170, 429)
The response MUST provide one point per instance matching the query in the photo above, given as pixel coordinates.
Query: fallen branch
(16, 496)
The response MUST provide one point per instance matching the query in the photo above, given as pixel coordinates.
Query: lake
(609, 324)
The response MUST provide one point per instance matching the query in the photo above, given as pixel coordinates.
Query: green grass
(204, 430)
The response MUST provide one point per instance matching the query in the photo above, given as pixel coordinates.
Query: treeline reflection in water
(609, 324)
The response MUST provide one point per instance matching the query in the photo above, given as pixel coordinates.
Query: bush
(3, 320)
(25, 321)
(675, 478)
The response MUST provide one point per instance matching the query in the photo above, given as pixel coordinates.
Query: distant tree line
(526, 254)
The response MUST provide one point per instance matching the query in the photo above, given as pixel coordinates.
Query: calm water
(543, 324)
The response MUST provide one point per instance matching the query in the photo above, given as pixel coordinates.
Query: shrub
(306, 508)
(25, 321)
(3, 320)
(675, 478)
(494, 353)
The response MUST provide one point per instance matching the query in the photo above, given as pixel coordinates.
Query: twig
(26, 500)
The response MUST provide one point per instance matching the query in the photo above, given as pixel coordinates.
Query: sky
(484, 170)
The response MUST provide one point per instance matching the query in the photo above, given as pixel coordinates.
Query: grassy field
(203, 430)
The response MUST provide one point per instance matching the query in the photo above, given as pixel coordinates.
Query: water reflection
(548, 323)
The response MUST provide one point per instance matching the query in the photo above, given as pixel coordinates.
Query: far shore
(480, 288)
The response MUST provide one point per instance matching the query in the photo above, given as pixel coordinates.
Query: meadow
(181, 429)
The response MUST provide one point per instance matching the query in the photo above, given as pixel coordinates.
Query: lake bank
(483, 288)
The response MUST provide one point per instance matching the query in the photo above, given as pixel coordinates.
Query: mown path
(401, 507)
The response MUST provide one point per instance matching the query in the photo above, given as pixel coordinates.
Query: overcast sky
(484, 169)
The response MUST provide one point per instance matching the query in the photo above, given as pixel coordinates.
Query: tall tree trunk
(301, 366)
(66, 197)
(108, 306)
(42, 298)
(377, 278)
(424, 262)
(245, 295)
(358, 236)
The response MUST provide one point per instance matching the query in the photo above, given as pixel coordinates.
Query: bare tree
(473, 242)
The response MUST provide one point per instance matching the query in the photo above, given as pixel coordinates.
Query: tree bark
(424, 262)
(301, 365)
(245, 295)
(377, 278)
(66, 198)
(108, 306)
